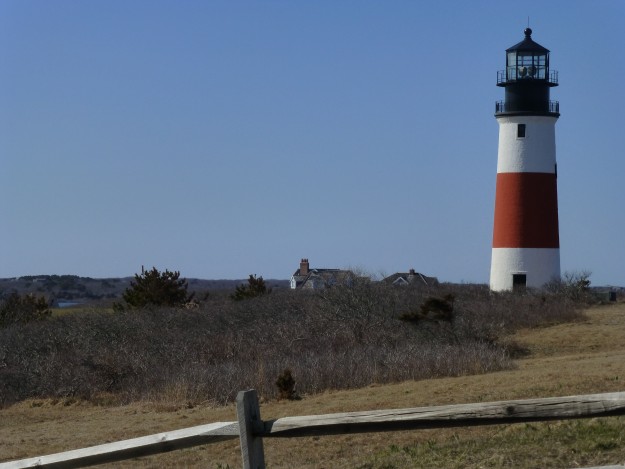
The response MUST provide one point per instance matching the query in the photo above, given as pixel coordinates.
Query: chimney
(303, 267)
(411, 273)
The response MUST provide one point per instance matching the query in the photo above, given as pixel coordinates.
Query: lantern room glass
(526, 65)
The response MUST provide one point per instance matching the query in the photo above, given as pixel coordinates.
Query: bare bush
(573, 285)
(342, 338)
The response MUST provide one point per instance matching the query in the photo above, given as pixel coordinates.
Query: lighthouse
(526, 244)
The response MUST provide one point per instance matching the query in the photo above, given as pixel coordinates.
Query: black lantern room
(527, 80)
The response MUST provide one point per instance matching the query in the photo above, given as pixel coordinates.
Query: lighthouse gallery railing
(502, 106)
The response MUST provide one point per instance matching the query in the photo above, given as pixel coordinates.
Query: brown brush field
(575, 358)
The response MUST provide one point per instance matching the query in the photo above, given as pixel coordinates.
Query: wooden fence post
(248, 414)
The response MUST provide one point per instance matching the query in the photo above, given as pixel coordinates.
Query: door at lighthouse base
(519, 282)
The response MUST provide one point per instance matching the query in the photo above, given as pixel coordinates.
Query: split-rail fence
(251, 429)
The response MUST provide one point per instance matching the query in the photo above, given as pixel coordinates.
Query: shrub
(286, 385)
(433, 309)
(154, 288)
(255, 287)
(341, 338)
(18, 308)
(574, 286)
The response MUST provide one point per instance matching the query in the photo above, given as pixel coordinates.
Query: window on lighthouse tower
(520, 131)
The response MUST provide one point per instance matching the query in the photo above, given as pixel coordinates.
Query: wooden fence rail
(251, 430)
(133, 448)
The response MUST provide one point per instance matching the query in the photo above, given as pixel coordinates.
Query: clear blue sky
(223, 138)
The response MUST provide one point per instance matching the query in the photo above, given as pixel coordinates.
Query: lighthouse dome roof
(528, 44)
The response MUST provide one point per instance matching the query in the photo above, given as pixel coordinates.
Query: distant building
(410, 278)
(317, 279)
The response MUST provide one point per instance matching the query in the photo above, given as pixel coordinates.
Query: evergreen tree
(255, 287)
(18, 308)
(154, 288)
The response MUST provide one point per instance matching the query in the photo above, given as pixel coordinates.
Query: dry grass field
(575, 358)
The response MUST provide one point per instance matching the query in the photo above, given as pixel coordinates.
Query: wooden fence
(251, 429)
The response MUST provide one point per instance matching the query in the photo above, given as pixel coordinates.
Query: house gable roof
(321, 278)
(410, 278)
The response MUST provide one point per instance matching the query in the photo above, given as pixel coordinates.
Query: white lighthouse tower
(526, 245)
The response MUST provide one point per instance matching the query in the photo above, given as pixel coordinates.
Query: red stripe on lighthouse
(526, 211)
